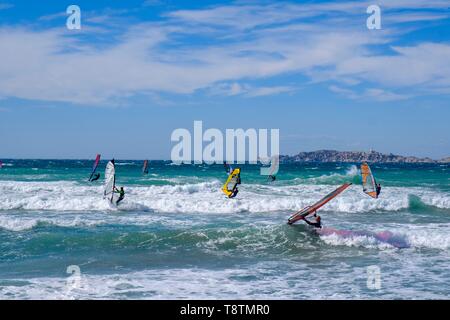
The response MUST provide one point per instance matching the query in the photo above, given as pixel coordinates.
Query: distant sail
(1, 164)
(274, 165)
(110, 181)
(232, 181)
(94, 167)
(368, 181)
(316, 206)
(145, 167)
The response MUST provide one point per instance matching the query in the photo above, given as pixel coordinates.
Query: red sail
(311, 209)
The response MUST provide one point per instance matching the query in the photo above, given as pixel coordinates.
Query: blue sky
(137, 70)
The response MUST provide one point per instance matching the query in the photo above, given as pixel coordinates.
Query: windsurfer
(235, 192)
(145, 167)
(121, 193)
(317, 221)
(378, 189)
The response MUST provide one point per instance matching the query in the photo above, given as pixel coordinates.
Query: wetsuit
(272, 178)
(316, 224)
(238, 181)
(378, 190)
(121, 195)
(235, 192)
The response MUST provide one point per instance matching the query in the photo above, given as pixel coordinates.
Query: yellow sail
(232, 181)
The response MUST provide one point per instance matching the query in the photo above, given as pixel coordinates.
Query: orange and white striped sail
(368, 181)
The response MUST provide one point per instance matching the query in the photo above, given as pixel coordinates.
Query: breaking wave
(206, 197)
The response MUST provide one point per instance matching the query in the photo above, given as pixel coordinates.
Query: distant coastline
(356, 156)
(311, 156)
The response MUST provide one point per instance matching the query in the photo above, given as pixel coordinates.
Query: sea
(177, 236)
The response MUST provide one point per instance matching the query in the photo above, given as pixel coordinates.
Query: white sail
(110, 181)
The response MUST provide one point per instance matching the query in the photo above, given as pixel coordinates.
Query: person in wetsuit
(95, 177)
(378, 189)
(121, 193)
(317, 223)
(235, 192)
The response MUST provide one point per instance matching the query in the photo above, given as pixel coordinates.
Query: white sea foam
(432, 235)
(158, 284)
(365, 241)
(440, 201)
(267, 280)
(21, 221)
(17, 224)
(352, 171)
(425, 236)
(206, 197)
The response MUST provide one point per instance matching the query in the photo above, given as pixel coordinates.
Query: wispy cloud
(223, 49)
(4, 6)
(344, 91)
(53, 16)
(370, 93)
(383, 95)
(268, 91)
(247, 90)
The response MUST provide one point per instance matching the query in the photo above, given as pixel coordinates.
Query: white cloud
(234, 89)
(240, 43)
(53, 16)
(372, 93)
(251, 15)
(383, 95)
(426, 64)
(267, 91)
(414, 17)
(344, 91)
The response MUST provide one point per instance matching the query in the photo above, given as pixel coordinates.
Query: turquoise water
(177, 236)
